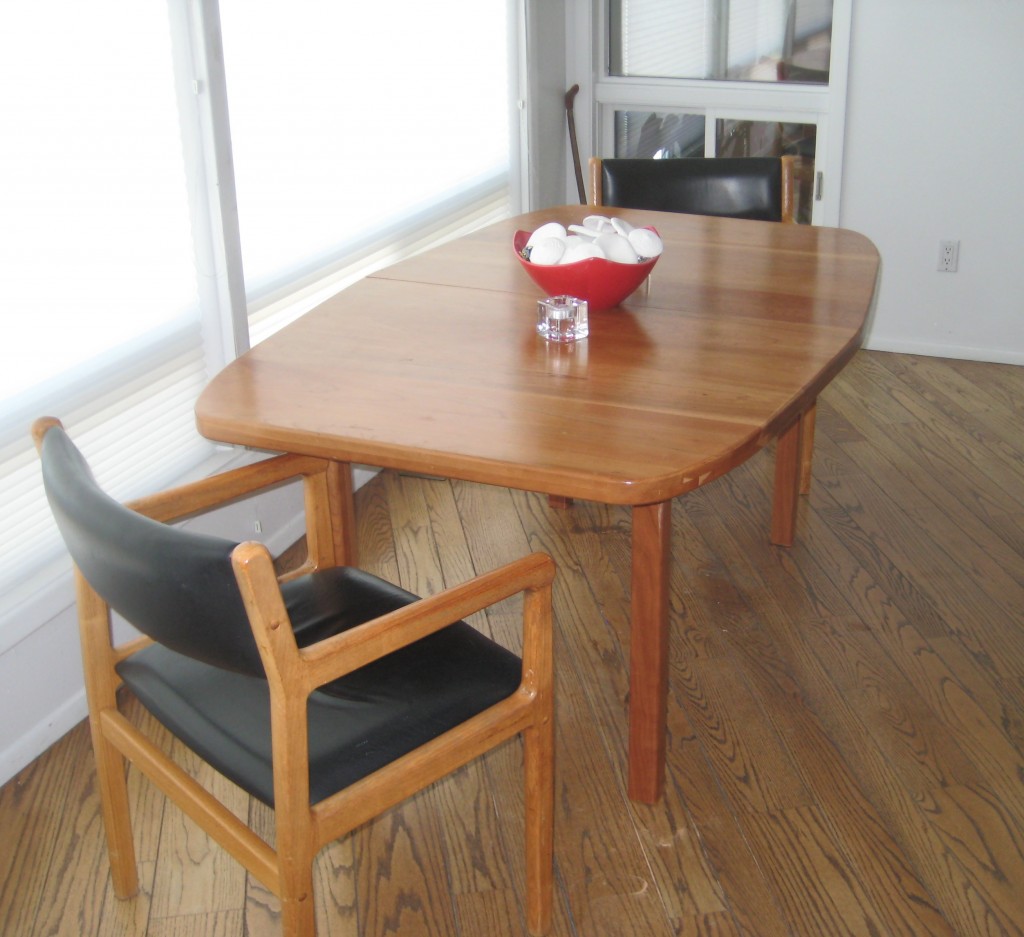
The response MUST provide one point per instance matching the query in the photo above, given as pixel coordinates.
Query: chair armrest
(303, 670)
(342, 653)
(185, 501)
(325, 544)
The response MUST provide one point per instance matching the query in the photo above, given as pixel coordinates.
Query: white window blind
(757, 32)
(358, 136)
(360, 132)
(97, 272)
(661, 38)
(715, 39)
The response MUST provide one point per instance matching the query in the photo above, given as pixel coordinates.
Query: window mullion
(206, 139)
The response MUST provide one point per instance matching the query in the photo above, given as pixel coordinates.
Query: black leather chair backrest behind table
(756, 188)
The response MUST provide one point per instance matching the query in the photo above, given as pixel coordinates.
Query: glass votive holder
(562, 319)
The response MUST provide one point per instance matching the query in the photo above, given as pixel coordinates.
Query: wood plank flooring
(846, 717)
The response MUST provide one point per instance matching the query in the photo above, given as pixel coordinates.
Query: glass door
(678, 78)
(733, 40)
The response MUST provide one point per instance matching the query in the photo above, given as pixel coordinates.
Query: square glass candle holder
(562, 319)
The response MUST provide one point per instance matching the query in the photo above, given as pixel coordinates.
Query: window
(652, 135)
(97, 271)
(113, 246)
(676, 78)
(399, 125)
(737, 40)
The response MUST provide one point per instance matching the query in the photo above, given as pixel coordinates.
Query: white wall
(42, 692)
(934, 146)
(548, 130)
(934, 151)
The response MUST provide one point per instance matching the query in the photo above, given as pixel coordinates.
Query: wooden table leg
(648, 664)
(807, 449)
(343, 515)
(788, 458)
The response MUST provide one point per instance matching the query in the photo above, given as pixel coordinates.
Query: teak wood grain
(433, 366)
(858, 679)
(845, 718)
(283, 864)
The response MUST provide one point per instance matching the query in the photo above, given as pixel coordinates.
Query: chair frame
(293, 673)
(801, 435)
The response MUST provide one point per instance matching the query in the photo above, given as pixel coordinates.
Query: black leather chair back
(176, 587)
(741, 187)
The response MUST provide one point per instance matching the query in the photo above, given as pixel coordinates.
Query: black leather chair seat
(732, 187)
(358, 723)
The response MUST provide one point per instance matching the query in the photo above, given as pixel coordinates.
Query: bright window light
(348, 117)
(95, 245)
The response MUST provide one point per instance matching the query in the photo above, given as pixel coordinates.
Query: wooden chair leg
(296, 853)
(101, 692)
(298, 909)
(539, 759)
(293, 821)
(539, 744)
(117, 823)
(807, 449)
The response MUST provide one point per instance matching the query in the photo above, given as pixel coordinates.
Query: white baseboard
(935, 350)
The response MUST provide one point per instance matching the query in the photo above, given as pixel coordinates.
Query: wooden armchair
(330, 696)
(756, 188)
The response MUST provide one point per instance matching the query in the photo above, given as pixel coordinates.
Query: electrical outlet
(258, 527)
(949, 256)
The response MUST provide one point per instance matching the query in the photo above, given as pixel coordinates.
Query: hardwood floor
(846, 717)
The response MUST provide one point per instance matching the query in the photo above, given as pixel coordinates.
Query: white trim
(823, 105)
(519, 169)
(672, 92)
(47, 593)
(830, 147)
(581, 55)
(938, 350)
(201, 87)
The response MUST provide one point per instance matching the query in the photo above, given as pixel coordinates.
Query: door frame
(602, 94)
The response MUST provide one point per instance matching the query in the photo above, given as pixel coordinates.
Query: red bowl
(602, 283)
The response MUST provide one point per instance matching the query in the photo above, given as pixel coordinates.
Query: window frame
(795, 102)
(224, 310)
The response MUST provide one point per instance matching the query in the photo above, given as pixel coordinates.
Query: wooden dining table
(433, 365)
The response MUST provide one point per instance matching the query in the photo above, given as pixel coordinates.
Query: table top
(433, 365)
